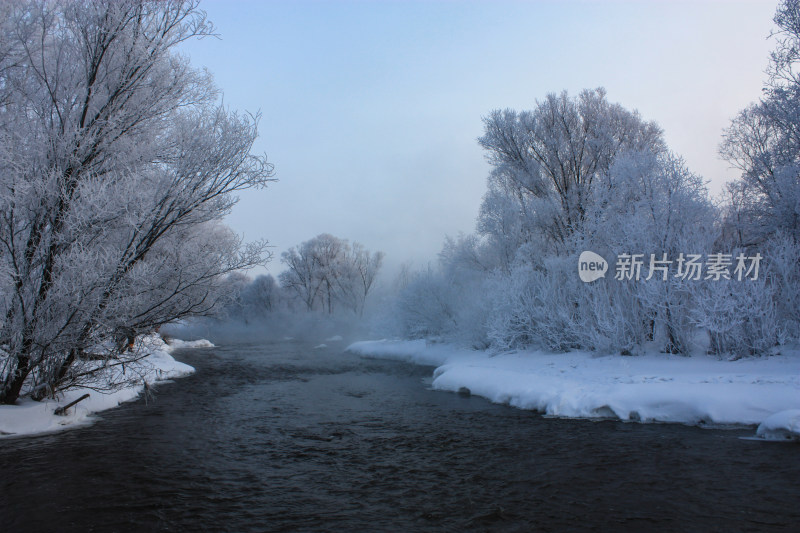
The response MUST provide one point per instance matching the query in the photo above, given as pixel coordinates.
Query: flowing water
(283, 437)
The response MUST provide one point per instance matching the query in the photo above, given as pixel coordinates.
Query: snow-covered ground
(648, 388)
(29, 417)
(783, 425)
(176, 344)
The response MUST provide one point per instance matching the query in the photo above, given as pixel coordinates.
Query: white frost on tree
(326, 272)
(117, 164)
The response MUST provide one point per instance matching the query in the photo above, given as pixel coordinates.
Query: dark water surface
(282, 437)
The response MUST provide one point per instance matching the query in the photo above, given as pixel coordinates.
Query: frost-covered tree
(583, 174)
(652, 204)
(116, 165)
(547, 161)
(762, 207)
(327, 271)
(447, 302)
(763, 141)
(255, 298)
(646, 203)
(364, 271)
(574, 174)
(425, 307)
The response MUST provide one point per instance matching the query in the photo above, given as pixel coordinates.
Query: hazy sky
(371, 110)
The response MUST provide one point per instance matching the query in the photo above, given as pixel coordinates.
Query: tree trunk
(13, 386)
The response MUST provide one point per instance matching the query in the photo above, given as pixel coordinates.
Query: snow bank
(176, 344)
(29, 417)
(784, 425)
(649, 388)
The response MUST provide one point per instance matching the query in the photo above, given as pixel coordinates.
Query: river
(283, 437)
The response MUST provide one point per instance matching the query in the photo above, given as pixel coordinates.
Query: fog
(371, 110)
(314, 328)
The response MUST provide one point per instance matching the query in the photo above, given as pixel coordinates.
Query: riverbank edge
(700, 390)
(30, 418)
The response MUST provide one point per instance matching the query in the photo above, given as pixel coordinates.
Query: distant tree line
(324, 274)
(580, 173)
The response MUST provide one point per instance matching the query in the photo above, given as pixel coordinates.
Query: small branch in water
(63, 410)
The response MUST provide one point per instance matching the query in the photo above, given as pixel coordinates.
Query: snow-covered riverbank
(30, 418)
(649, 388)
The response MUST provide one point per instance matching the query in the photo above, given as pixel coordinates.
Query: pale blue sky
(371, 110)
